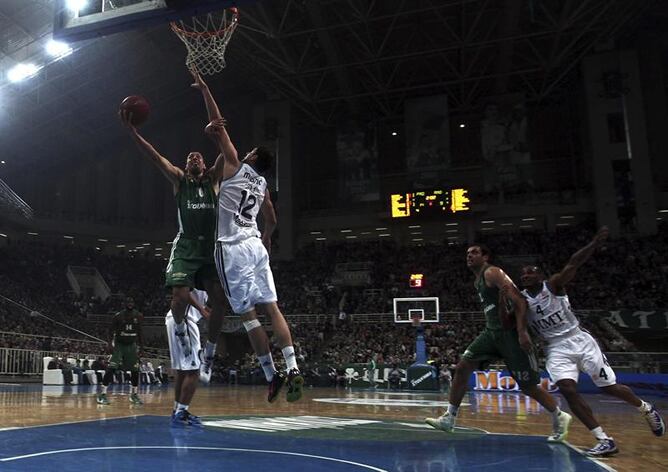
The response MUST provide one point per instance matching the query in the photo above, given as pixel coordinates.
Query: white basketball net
(206, 39)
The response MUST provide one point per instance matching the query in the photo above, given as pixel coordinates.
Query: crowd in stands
(625, 273)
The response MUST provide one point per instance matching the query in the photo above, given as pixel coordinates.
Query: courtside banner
(502, 381)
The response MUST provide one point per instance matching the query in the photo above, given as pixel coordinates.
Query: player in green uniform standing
(125, 343)
(191, 262)
(503, 338)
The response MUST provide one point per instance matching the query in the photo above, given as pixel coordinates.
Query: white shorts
(245, 273)
(179, 361)
(580, 352)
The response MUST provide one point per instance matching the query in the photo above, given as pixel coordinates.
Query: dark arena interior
(333, 235)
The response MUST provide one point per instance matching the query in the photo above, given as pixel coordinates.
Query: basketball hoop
(206, 38)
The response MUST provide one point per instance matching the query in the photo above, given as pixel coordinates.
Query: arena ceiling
(330, 58)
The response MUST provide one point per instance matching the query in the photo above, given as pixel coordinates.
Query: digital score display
(429, 203)
(416, 281)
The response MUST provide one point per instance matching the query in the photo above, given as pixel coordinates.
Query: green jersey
(126, 326)
(196, 206)
(489, 299)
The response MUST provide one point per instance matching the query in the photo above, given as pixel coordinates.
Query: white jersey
(550, 315)
(239, 202)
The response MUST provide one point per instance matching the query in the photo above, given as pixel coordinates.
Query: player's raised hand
(126, 119)
(213, 129)
(198, 83)
(602, 235)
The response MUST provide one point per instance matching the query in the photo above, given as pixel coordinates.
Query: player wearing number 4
(242, 256)
(570, 349)
(191, 263)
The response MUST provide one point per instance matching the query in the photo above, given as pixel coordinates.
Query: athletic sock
(181, 406)
(599, 433)
(290, 358)
(452, 410)
(267, 363)
(210, 349)
(104, 389)
(644, 407)
(176, 405)
(134, 390)
(555, 415)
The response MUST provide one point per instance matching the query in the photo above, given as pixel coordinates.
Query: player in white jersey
(570, 349)
(242, 257)
(186, 365)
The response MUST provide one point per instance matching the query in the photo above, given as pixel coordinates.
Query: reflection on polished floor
(328, 430)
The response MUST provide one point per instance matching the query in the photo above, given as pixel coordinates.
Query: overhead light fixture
(57, 49)
(320, 239)
(351, 237)
(418, 239)
(663, 211)
(383, 235)
(567, 217)
(452, 231)
(98, 248)
(75, 5)
(506, 224)
(146, 244)
(21, 72)
(3, 235)
(394, 133)
(32, 233)
(3, 162)
(528, 219)
(526, 226)
(487, 222)
(487, 229)
(66, 236)
(120, 245)
(381, 229)
(452, 224)
(316, 232)
(414, 226)
(563, 224)
(462, 125)
(365, 232)
(102, 240)
(346, 230)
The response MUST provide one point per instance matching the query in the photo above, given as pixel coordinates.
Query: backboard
(96, 18)
(424, 308)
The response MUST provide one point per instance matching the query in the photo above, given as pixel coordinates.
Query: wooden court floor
(31, 405)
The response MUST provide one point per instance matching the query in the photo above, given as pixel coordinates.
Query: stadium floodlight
(76, 5)
(58, 49)
(21, 72)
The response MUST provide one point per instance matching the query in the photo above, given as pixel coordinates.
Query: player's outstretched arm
(169, 170)
(507, 288)
(558, 281)
(211, 106)
(270, 220)
(227, 163)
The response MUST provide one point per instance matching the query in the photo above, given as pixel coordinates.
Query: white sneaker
(205, 367)
(445, 422)
(560, 428)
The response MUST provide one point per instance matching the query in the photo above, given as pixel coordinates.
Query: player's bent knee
(567, 388)
(251, 324)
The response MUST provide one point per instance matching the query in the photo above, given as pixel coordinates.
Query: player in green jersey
(191, 263)
(125, 344)
(503, 338)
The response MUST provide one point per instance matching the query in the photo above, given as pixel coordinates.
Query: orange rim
(206, 34)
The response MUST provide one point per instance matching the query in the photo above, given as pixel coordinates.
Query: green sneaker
(135, 400)
(102, 399)
(295, 385)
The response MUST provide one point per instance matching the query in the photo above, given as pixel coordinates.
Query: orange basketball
(138, 106)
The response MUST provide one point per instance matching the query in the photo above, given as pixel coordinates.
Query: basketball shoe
(102, 399)
(275, 386)
(605, 447)
(135, 400)
(295, 385)
(205, 368)
(655, 421)
(560, 428)
(445, 422)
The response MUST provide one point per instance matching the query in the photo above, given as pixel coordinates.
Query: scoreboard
(429, 203)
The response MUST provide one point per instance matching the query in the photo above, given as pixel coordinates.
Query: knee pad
(252, 324)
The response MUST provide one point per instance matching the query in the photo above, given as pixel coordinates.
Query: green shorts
(191, 263)
(492, 344)
(125, 357)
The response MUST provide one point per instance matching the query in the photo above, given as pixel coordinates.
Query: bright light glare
(76, 5)
(58, 49)
(21, 71)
